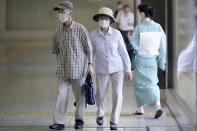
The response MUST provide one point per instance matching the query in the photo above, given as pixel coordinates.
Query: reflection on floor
(28, 91)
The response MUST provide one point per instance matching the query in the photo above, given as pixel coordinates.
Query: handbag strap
(89, 78)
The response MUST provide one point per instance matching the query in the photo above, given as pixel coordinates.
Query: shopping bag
(89, 90)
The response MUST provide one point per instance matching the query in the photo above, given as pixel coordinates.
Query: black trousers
(125, 37)
(129, 47)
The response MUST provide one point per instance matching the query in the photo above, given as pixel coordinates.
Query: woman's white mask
(63, 17)
(104, 23)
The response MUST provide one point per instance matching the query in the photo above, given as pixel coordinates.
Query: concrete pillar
(136, 3)
(3, 17)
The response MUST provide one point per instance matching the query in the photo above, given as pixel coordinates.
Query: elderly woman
(111, 60)
(149, 43)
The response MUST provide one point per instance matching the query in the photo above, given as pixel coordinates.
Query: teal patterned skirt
(145, 80)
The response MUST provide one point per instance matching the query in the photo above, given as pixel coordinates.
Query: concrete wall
(6, 34)
(35, 19)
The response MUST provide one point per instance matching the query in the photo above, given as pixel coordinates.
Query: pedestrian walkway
(28, 95)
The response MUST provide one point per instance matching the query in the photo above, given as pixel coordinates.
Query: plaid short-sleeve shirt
(72, 47)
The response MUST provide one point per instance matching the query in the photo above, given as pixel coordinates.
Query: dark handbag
(132, 57)
(89, 90)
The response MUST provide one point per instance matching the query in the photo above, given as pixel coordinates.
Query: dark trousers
(125, 37)
(129, 47)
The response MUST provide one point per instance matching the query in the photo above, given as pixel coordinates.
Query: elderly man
(72, 46)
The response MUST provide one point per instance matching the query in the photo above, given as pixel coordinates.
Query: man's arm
(57, 58)
(57, 61)
(55, 49)
(90, 57)
(87, 49)
(117, 23)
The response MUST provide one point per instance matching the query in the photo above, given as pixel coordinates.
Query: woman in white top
(111, 60)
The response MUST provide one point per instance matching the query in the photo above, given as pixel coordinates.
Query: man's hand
(182, 75)
(130, 24)
(129, 76)
(116, 25)
(90, 69)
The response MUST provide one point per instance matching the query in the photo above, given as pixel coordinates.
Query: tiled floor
(28, 95)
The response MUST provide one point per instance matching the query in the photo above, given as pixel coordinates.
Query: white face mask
(104, 23)
(63, 17)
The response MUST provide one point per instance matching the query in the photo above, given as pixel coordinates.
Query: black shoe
(99, 120)
(138, 113)
(78, 124)
(113, 126)
(75, 104)
(158, 113)
(57, 126)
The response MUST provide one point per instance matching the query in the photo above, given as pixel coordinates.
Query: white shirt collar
(110, 32)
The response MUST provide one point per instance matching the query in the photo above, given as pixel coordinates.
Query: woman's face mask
(63, 17)
(104, 23)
